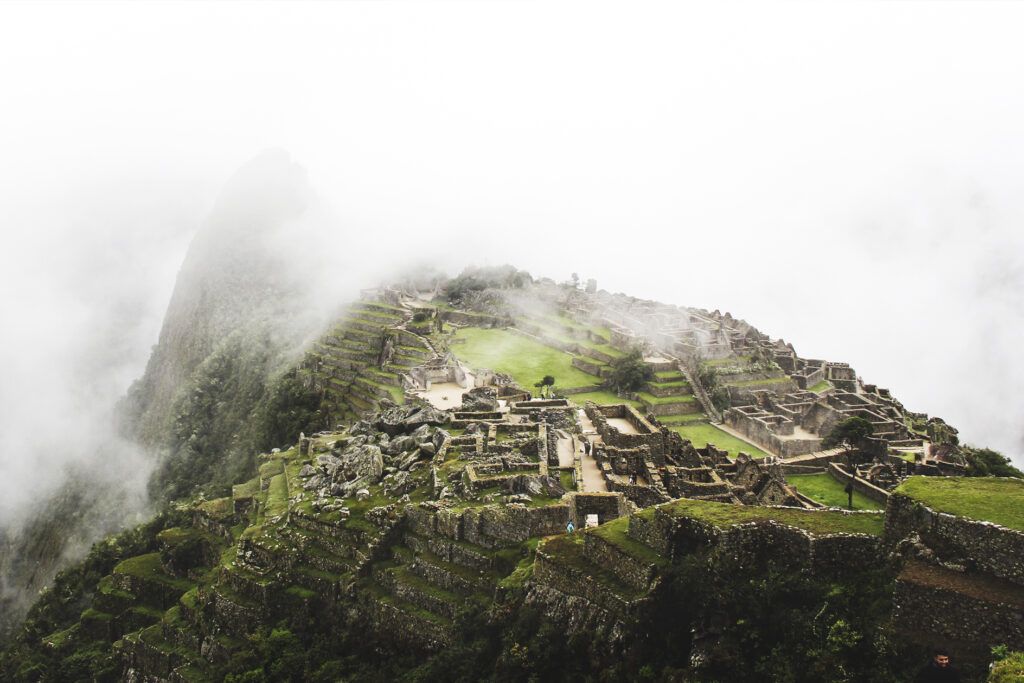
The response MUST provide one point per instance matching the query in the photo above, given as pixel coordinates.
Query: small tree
(545, 385)
(850, 433)
(629, 372)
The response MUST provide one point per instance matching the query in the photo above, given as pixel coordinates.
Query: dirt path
(623, 425)
(593, 480)
(445, 395)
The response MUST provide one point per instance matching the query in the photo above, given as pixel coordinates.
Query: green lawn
(828, 491)
(526, 360)
(814, 521)
(820, 386)
(701, 434)
(657, 401)
(993, 499)
(603, 398)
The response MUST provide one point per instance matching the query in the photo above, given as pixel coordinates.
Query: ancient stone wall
(875, 493)
(992, 548)
(960, 615)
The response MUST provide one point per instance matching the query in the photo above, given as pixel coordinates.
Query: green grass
(703, 433)
(825, 489)
(277, 496)
(615, 533)
(603, 398)
(565, 479)
(656, 401)
(568, 550)
(219, 508)
(724, 515)
(525, 359)
(820, 386)
(149, 567)
(673, 383)
(246, 490)
(992, 499)
(668, 374)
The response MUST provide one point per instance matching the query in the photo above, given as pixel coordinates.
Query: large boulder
(427, 415)
(363, 462)
(534, 485)
(480, 400)
(400, 444)
(327, 464)
(391, 419)
(399, 485)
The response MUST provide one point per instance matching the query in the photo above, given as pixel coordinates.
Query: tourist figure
(938, 670)
(570, 527)
(632, 480)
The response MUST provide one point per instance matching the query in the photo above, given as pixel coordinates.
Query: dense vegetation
(59, 607)
(985, 462)
(629, 372)
(480, 279)
(230, 412)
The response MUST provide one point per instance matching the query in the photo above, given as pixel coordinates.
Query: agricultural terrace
(701, 433)
(992, 499)
(724, 515)
(523, 358)
(828, 491)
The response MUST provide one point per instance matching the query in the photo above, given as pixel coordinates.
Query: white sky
(845, 175)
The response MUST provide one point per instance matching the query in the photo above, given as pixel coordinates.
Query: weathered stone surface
(534, 485)
(363, 461)
(307, 471)
(400, 444)
(428, 415)
(479, 400)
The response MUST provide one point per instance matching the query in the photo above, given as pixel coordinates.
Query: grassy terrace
(149, 567)
(525, 359)
(614, 532)
(827, 491)
(603, 398)
(992, 499)
(568, 550)
(820, 386)
(554, 327)
(655, 400)
(703, 433)
(820, 522)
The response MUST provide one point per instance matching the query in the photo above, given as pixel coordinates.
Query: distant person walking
(939, 670)
(570, 527)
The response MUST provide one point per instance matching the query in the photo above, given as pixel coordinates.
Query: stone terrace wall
(993, 548)
(929, 608)
(875, 493)
(649, 435)
(744, 545)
